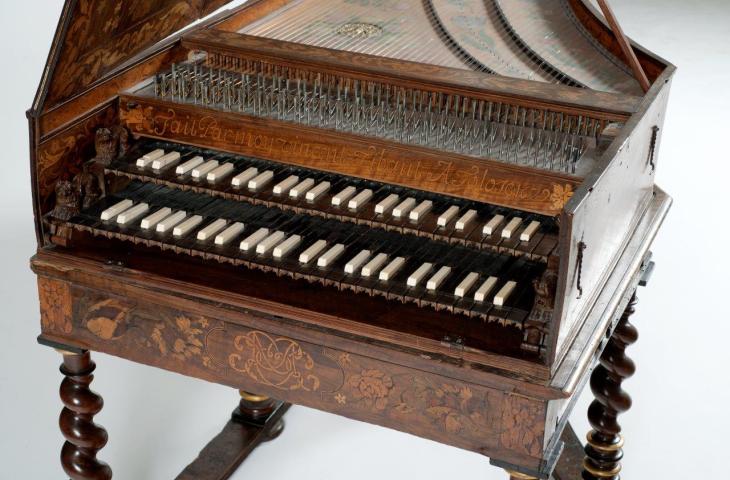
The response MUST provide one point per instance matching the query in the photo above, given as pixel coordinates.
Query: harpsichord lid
(555, 41)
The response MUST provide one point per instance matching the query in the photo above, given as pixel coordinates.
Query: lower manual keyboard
(479, 283)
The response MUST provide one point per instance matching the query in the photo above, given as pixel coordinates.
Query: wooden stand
(256, 420)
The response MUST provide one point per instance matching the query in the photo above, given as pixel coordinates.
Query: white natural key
(187, 226)
(463, 288)
(243, 177)
(415, 278)
(389, 272)
(447, 216)
(356, 262)
(422, 209)
(229, 233)
(202, 170)
(437, 279)
(386, 204)
(282, 188)
(511, 227)
(189, 165)
(286, 246)
(330, 255)
(132, 214)
(481, 294)
(307, 255)
(360, 199)
(152, 220)
(212, 229)
(374, 265)
(250, 242)
(148, 158)
(270, 242)
(260, 180)
(492, 224)
(169, 222)
(314, 193)
(343, 196)
(501, 297)
(528, 232)
(301, 188)
(220, 172)
(402, 209)
(165, 160)
(466, 220)
(116, 209)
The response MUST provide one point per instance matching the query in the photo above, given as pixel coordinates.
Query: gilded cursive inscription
(355, 155)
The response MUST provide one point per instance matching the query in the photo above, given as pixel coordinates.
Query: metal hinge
(581, 248)
(652, 146)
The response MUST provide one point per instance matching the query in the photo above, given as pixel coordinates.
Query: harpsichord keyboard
(350, 234)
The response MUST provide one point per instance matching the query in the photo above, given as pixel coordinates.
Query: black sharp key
(472, 234)
(512, 271)
(374, 244)
(546, 246)
(509, 245)
(430, 253)
(466, 262)
(458, 258)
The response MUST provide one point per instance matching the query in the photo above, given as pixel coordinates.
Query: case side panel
(598, 220)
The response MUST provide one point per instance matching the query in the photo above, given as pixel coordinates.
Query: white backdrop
(158, 421)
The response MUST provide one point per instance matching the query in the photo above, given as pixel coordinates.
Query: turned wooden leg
(604, 449)
(519, 476)
(83, 437)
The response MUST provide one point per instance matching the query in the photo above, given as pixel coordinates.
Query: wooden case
(90, 68)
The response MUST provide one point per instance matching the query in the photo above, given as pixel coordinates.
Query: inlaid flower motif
(521, 430)
(55, 305)
(340, 398)
(344, 359)
(187, 344)
(371, 386)
(560, 195)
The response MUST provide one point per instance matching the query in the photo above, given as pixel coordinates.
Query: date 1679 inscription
(351, 156)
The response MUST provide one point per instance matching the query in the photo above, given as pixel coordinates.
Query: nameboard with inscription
(456, 175)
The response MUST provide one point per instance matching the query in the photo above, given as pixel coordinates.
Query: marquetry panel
(102, 34)
(447, 410)
(55, 304)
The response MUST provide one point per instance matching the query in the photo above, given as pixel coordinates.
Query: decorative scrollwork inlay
(280, 363)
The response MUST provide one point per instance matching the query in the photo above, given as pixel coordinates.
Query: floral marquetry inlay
(372, 387)
(560, 195)
(55, 301)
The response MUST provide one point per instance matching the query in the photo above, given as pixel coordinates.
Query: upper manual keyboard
(301, 190)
